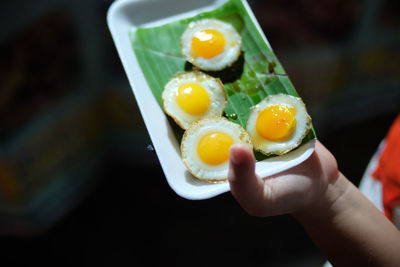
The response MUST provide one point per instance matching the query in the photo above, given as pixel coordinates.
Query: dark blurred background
(78, 182)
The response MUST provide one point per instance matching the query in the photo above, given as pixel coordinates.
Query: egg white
(192, 137)
(303, 124)
(215, 90)
(231, 52)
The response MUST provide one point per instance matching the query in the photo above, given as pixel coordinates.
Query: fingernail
(235, 155)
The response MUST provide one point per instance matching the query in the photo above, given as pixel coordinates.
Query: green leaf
(256, 74)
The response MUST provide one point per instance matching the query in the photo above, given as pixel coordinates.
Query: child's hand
(287, 192)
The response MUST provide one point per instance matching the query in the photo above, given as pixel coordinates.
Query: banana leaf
(256, 74)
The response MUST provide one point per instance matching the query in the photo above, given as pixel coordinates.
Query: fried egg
(205, 147)
(190, 96)
(211, 44)
(278, 124)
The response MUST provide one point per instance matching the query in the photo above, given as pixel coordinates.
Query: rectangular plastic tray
(123, 15)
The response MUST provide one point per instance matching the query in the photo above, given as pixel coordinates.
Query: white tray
(124, 15)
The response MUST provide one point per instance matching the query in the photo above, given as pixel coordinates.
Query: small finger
(245, 185)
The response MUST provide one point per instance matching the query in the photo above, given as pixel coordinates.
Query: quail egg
(205, 147)
(190, 96)
(211, 44)
(278, 124)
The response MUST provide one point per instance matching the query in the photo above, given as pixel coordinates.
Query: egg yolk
(192, 98)
(213, 148)
(208, 43)
(276, 122)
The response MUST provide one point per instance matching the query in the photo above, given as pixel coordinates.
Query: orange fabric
(388, 170)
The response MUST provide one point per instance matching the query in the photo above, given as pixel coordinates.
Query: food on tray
(190, 96)
(278, 124)
(211, 44)
(205, 147)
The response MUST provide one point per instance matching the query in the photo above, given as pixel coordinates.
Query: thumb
(245, 185)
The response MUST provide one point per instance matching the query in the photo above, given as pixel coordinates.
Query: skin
(344, 224)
